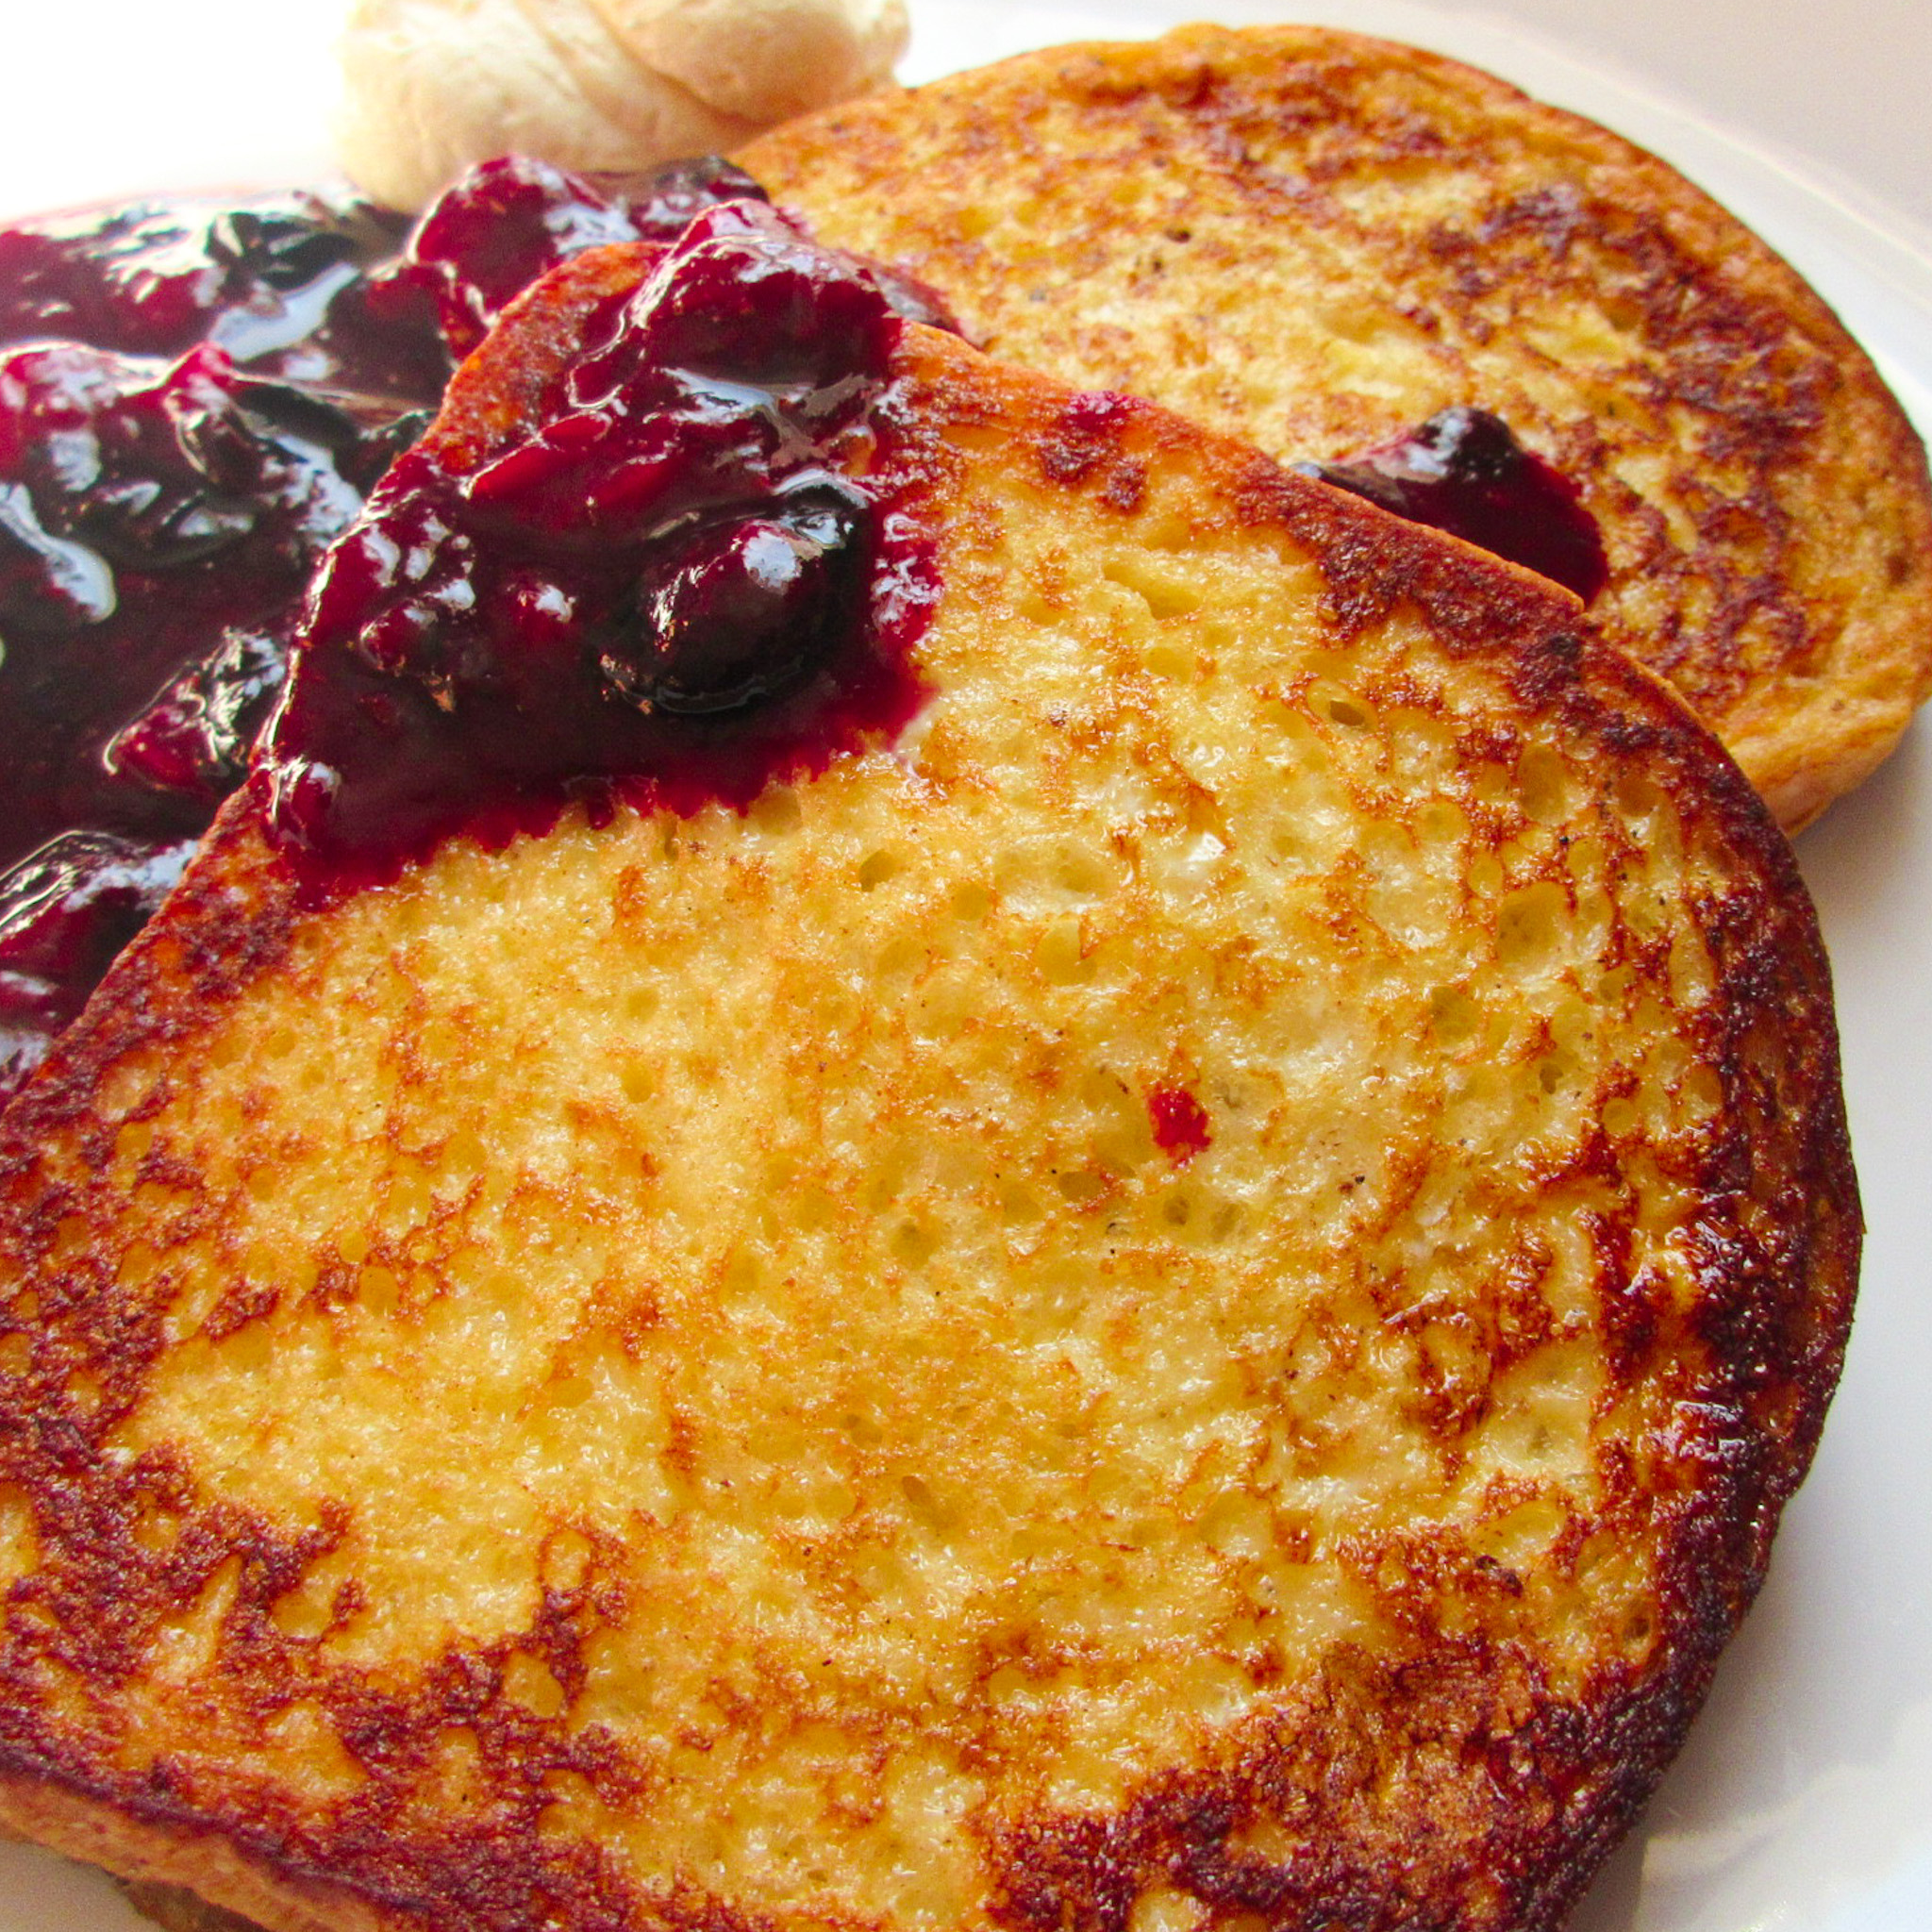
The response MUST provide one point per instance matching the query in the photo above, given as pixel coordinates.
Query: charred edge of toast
(234, 919)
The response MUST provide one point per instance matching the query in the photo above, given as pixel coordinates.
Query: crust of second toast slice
(1314, 239)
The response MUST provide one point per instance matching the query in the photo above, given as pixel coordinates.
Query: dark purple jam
(158, 524)
(484, 241)
(275, 282)
(194, 400)
(1464, 472)
(508, 221)
(670, 591)
(74, 905)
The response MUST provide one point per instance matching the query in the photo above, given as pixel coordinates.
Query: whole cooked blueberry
(743, 296)
(284, 244)
(361, 436)
(746, 611)
(194, 738)
(1464, 472)
(489, 235)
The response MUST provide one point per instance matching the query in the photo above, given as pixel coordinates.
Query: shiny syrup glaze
(669, 591)
(1464, 472)
(509, 221)
(194, 400)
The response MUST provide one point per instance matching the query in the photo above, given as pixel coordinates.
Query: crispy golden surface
(1188, 1296)
(1314, 241)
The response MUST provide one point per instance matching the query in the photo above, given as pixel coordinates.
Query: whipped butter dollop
(430, 87)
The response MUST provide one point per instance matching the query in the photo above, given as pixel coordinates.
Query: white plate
(1804, 1800)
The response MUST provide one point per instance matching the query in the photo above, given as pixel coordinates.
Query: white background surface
(1804, 1800)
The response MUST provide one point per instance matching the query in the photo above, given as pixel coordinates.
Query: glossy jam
(484, 241)
(1464, 472)
(194, 400)
(276, 282)
(72, 908)
(668, 590)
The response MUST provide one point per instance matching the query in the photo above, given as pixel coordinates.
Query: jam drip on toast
(1464, 472)
(686, 577)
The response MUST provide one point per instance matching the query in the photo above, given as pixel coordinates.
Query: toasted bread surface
(1315, 240)
(1190, 1293)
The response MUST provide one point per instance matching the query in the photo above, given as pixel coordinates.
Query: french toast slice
(1182, 1288)
(1317, 242)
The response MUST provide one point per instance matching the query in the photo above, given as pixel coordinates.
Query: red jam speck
(1463, 472)
(1181, 1124)
(669, 592)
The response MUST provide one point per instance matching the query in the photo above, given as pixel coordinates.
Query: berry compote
(1464, 472)
(668, 586)
(483, 241)
(276, 281)
(194, 400)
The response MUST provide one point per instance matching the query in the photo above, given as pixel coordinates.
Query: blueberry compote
(485, 241)
(690, 573)
(482, 243)
(194, 400)
(276, 282)
(1464, 472)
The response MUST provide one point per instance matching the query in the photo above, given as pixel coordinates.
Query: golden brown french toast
(1317, 242)
(1179, 1287)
